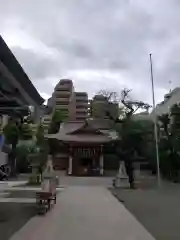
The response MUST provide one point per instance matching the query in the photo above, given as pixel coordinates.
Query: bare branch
(130, 107)
(111, 96)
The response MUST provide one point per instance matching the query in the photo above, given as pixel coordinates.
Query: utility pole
(155, 123)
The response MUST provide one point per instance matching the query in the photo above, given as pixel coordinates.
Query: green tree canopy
(11, 132)
(57, 118)
(26, 132)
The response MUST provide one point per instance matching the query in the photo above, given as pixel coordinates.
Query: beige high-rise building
(46, 120)
(63, 98)
(81, 99)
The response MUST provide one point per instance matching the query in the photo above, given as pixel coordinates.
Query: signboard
(86, 152)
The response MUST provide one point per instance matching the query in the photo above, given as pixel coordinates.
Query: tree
(26, 132)
(164, 122)
(11, 133)
(43, 146)
(57, 118)
(127, 107)
(40, 135)
(170, 143)
(130, 132)
(110, 96)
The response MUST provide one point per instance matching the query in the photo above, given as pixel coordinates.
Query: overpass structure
(17, 92)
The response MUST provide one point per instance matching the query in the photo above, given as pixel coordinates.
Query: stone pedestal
(48, 177)
(101, 165)
(122, 177)
(70, 166)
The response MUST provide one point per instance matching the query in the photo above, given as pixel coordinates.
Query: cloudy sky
(100, 44)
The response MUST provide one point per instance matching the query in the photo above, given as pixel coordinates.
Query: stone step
(4, 194)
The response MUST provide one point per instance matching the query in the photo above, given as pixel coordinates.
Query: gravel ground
(13, 216)
(157, 209)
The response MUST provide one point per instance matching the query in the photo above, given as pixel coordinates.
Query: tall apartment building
(81, 99)
(46, 120)
(63, 98)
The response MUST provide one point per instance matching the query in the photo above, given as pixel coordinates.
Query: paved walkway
(84, 213)
(11, 183)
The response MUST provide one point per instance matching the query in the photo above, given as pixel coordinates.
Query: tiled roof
(66, 134)
(100, 123)
(80, 138)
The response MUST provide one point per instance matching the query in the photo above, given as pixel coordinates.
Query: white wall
(165, 107)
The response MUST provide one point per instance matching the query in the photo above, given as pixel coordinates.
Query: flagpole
(155, 123)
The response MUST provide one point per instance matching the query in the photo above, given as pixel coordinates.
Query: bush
(22, 162)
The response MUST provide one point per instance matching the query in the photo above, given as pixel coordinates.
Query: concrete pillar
(37, 114)
(101, 160)
(70, 166)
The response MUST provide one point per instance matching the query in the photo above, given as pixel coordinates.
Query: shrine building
(84, 144)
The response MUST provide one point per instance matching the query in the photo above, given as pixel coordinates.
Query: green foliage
(57, 118)
(135, 133)
(170, 144)
(26, 132)
(11, 133)
(22, 160)
(40, 135)
(43, 145)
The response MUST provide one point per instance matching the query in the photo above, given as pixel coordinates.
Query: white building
(164, 107)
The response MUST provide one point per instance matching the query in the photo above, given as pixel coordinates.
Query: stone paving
(84, 212)
(17, 200)
(12, 183)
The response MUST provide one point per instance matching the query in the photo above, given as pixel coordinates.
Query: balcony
(82, 101)
(81, 110)
(63, 88)
(80, 118)
(62, 107)
(82, 106)
(81, 95)
(65, 81)
(81, 115)
(62, 102)
(62, 94)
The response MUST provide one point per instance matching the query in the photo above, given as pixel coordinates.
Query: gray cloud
(94, 39)
(37, 66)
